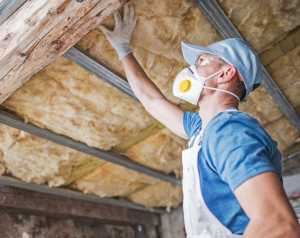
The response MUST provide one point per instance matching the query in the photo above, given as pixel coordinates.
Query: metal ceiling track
(67, 193)
(98, 69)
(294, 156)
(224, 26)
(11, 120)
(9, 7)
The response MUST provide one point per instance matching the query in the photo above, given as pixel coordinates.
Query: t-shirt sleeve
(191, 122)
(239, 152)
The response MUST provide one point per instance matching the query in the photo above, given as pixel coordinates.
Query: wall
(172, 224)
(14, 225)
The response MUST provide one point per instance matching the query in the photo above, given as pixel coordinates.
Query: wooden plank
(55, 206)
(172, 224)
(67, 193)
(42, 30)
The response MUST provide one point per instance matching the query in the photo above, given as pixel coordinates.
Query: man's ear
(228, 74)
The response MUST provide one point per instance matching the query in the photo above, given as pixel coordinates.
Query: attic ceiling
(69, 100)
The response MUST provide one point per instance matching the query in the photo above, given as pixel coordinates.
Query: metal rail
(295, 155)
(99, 70)
(8, 7)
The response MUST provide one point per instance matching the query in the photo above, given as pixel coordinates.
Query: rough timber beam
(42, 30)
(224, 26)
(35, 191)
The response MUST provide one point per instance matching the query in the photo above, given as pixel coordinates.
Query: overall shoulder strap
(195, 138)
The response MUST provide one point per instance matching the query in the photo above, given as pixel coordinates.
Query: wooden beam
(42, 30)
(55, 206)
(67, 193)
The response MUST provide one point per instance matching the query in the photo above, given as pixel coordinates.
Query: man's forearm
(120, 37)
(268, 228)
(141, 85)
(146, 91)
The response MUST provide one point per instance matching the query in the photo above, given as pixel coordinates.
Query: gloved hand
(121, 35)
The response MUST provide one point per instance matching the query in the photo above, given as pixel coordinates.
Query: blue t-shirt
(235, 147)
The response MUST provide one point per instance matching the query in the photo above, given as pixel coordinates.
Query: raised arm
(145, 90)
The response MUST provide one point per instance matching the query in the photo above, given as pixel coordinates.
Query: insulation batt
(68, 100)
(161, 194)
(111, 180)
(159, 151)
(36, 160)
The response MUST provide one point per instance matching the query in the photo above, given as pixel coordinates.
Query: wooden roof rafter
(41, 31)
(68, 193)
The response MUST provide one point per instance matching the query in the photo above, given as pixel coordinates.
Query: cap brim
(191, 52)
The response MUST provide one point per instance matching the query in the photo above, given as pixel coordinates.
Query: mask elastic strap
(224, 91)
(193, 69)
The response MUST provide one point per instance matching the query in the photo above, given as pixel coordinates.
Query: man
(231, 171)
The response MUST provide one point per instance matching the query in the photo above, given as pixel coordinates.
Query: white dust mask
(188, 85)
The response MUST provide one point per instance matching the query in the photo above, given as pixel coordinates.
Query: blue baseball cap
(233, 51)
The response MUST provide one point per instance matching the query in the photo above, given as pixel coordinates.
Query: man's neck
(208, 109)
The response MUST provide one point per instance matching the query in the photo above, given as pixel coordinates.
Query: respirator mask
(189, 85)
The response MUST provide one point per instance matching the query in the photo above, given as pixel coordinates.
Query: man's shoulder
(239, 125)
(236, 119)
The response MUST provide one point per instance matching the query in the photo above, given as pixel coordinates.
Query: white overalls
(199, 221)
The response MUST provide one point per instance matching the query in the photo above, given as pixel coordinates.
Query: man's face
(206, 65)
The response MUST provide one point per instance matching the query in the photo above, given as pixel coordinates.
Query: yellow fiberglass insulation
(162, 25)
(161, 194)
(263, 22)
(111, 180)
(40, 161)
(68, 100)
(161, 151)
(8, 136)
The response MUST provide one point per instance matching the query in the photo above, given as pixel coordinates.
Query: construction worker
(232, 184)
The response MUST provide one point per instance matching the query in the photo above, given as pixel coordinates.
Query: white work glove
(121, 35)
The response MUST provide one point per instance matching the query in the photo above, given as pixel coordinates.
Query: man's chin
(201, 98)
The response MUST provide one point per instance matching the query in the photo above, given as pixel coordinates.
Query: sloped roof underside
(67, 99)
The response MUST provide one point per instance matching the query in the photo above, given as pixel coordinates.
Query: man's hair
(240, 88)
